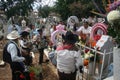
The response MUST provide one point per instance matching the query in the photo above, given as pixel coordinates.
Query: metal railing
(103, 54)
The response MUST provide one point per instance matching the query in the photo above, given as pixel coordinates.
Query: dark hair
(85, 22)
(43, 27)
(30, 26)
(24, 34)
(40, 30)
(70, 38)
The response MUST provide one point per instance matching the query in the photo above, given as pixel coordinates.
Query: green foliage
(36, 69)
(62, 7)
(17, 7)
(114, 31)
(45, 11)
(100, 6)
(111, 31)
(79, 8)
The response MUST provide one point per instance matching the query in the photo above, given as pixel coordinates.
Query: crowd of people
(17, 51)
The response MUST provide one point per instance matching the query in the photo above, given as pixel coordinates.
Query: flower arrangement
(83, 38)
(89, 56)
(113, 18)
(35, 71)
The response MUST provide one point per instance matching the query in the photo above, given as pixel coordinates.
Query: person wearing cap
(12, 54)
(68, 57)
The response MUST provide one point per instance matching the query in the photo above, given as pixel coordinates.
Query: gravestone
(116, 63)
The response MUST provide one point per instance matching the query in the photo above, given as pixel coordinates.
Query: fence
(99, 71)
(94, 70)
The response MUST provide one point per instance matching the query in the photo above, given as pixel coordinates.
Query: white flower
(113, 16)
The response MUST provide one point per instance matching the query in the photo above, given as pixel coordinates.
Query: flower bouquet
(35, 71)
(83, 38)
(113, 18)
(89, 56)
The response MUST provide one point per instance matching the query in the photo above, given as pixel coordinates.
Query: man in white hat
(12, 54)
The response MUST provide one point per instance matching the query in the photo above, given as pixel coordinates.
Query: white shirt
(51, 30)
(84, 30)
(23, 43)
(13, 52)
(67, 61)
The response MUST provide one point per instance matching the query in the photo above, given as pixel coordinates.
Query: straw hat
(13, 35)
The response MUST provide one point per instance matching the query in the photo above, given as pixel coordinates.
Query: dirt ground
(49, 71)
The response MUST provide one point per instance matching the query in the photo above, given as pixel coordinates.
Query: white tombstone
(116, 63)
(105, 44)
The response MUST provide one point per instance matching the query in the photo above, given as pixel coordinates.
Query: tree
(45, 11)
(79, 8)
(16, 7)
(100, 5)
(62, 7)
